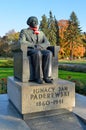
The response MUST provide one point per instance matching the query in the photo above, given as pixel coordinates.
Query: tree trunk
(71, 51)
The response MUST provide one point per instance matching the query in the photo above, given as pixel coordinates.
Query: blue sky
(14, 13)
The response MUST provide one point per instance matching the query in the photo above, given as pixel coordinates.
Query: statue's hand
(38, 47)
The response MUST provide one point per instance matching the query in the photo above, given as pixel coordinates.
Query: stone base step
(64, 121)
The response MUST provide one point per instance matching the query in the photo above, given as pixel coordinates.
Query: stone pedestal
(32, 98)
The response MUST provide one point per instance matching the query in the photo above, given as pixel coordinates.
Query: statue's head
(32, 21)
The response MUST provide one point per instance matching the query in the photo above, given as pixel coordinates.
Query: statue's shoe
(39, 81)
(48, 80)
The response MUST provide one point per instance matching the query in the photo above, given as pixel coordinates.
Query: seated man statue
(41, 58)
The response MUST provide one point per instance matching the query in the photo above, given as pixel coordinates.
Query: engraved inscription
(49, 96)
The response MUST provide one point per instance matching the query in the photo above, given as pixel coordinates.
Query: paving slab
(67, 121)
(63, 121)
(10, 119)
(80, 106)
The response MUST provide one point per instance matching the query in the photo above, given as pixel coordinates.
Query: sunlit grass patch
(78, 78)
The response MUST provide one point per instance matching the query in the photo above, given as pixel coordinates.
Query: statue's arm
(23, 39)
(22, 43)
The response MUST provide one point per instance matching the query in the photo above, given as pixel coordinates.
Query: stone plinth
(31, 97)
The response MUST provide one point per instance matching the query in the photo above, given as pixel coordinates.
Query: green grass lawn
(6, 63)
(6, 69)
(77, 77)
(5, 72)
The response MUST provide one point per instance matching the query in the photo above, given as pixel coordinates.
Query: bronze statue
(41, 58)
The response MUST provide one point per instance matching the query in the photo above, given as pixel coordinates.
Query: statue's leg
(36, 57)
(46, 63)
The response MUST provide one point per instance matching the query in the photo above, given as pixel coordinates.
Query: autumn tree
(12, 35)
(12, 39)
(84, 42)
(6, 43)
(4, 47)
(62, 24)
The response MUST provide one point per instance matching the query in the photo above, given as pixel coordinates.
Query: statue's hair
(32, 18)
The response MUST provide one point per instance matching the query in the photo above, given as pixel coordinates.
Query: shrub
(3, 85)
(79, 86)
(73, 67)
(6, 63)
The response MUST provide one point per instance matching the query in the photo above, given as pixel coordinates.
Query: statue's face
(32, 22)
